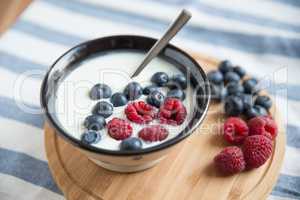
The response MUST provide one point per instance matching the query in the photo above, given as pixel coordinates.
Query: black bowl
(68, 61)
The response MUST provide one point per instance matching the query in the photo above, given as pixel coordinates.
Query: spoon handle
(181, 20)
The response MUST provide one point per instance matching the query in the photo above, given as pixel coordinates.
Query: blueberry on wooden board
(233, 106)
(225, 66)
(218, 92)
(240, 71)
(263, 101)
(250, 86)
(255, 111)
(215, 77)
(231, 77)
(247, 100)
(234, 88)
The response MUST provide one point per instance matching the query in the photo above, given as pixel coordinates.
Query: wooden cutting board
(187, 172)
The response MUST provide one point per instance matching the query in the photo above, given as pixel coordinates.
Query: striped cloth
(262, 36)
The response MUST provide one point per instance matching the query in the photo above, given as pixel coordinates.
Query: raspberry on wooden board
(257, 150)
(235, 130)
(230, 160)
(263, 125)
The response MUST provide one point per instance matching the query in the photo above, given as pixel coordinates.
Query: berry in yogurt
(155, 98)
(119, 129)
(160, 78)
(100, 91)
(153, 133)
(176, 93)
(140, 112)
(133, 91)
(131, 144)
(90, 137)
(118, 99)
(103, 108)
(178, 81)
(94, 122)
(150, 88)
(172, 112)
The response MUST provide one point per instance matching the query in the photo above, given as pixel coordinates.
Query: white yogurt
(73, 103)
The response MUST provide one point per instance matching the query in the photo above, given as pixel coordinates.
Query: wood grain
(187, 172)
(9, 11)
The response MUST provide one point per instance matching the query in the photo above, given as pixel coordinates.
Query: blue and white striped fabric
(262, 36)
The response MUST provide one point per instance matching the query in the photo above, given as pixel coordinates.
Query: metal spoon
(175, 27)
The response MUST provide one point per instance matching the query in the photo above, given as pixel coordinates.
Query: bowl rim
(181, 136)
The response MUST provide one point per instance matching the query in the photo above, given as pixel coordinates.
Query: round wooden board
(186, 173)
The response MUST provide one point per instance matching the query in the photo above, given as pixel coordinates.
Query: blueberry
(240, 71)
(251, 112)
(131, 144)
(94, 122)
(160, 78)
(178, 81)
(147, 90)
(261, 110)
(255, 111)
(100, 91)
(225, 66)
(103, 108)
(133, 91)
(218, 92)
(263, 101)
(155, 98)
(247, 100)
(176, 93)
(231, 77)
(233, 106)
(118, 99)
(90, 137)
(215, 77)
(250, 86)
(234, 88)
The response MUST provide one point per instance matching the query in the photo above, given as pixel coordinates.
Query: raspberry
(172, 112)
(119, 129)
(230, 160)
(153, 133)
(235, 130)
(140, 112)
(263, 125)
(257, 149)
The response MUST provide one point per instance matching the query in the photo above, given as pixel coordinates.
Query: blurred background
(261, 36)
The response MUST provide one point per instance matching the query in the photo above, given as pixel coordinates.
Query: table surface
(266, 44)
